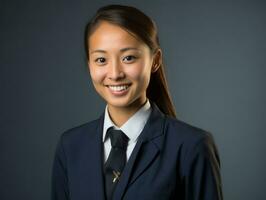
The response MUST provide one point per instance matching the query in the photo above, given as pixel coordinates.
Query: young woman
(136, 149)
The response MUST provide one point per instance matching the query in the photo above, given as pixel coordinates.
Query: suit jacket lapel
(144, 153)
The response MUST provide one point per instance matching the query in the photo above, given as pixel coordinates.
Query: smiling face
(120, 66)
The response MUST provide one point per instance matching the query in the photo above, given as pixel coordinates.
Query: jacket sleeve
(59, 190)
(202, 178)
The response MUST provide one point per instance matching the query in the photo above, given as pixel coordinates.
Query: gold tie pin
(116, 176)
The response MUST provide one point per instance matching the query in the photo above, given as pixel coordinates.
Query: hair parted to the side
(144, 28)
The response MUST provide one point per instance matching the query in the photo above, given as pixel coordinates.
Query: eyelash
(131, 56)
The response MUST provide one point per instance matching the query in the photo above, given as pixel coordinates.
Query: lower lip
(119, 93)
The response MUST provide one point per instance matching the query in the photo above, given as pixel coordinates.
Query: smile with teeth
(118, 88)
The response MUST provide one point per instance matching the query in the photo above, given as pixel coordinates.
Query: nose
(115, 71)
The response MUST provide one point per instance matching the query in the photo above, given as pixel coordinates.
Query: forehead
(111, 35)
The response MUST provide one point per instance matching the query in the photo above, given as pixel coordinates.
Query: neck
(119, 115)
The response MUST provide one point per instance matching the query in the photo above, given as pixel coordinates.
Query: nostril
(116, 75)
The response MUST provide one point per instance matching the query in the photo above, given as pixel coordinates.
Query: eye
(100, 60)
(129, 58)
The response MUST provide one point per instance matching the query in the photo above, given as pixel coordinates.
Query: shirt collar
(133, 126)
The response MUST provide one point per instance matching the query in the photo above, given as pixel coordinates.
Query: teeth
(118, 88)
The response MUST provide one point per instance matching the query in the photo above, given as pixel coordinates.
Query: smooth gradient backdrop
(215, 58)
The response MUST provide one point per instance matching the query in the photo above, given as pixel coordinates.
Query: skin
(112, 66)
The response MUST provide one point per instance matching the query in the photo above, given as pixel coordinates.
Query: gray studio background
(215, 58)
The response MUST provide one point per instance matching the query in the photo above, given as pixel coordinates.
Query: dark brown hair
(144, 28)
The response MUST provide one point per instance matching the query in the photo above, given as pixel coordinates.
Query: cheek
(97, 74)
(140, 72)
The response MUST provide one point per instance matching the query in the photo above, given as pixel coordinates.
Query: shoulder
(184, 132)
(79, 133)
(191, 143)
(188, 139)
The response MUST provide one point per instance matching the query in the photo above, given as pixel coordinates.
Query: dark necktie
(116, 161)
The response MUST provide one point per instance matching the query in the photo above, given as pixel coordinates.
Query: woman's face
(120, 66)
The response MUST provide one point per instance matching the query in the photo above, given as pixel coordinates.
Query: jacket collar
(152, 129)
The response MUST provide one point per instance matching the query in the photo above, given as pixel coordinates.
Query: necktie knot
(118, 139)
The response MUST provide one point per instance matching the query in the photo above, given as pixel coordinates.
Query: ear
(88, 66)
(157, 60)
(87, 61)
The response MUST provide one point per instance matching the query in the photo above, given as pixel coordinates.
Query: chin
(119, 104)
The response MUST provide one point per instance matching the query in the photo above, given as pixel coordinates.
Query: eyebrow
(121, 50)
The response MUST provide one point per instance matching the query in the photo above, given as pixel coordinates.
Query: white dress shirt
(132, 128)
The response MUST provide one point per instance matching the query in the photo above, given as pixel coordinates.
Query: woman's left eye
(129, 58)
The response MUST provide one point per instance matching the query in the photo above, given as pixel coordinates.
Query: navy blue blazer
(171, 160)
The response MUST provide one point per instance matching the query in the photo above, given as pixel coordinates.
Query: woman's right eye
(100, 60)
